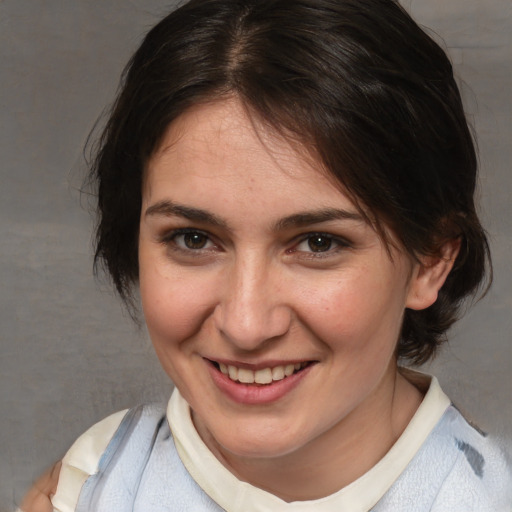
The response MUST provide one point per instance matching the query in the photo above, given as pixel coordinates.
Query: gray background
(69, 354)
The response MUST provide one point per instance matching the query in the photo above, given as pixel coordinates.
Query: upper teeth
(263, 376)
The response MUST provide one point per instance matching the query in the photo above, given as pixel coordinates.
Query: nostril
(250, 325)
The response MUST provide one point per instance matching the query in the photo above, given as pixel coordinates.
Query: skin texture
(242, 284)
(249, 254)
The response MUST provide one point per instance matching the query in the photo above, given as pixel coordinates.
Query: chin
(261, 441)
(265, 450)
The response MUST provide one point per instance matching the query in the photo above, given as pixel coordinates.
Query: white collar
(360, 496)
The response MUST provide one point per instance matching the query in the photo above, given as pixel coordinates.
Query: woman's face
(272, 305)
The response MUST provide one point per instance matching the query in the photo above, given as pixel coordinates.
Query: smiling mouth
(264, 376)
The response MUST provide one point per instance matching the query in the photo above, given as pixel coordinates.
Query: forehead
(220, 144)
(225, 129)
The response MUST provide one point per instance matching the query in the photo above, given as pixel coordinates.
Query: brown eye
(319, 243)
(195, 240)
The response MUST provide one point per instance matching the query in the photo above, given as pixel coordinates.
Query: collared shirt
(150, 460)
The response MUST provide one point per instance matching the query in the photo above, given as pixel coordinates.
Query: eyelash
(335, 244)
(169, 240)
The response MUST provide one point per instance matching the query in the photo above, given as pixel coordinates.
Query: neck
(337, 457)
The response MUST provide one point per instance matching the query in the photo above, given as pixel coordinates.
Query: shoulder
(87, 453)
(456, 469)
(480, 472)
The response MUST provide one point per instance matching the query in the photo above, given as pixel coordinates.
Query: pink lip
(251, 394)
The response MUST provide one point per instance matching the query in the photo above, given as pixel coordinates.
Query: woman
(290, 186)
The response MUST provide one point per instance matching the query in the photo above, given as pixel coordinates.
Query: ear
(429, 275)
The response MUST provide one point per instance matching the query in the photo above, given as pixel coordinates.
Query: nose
(251, 310)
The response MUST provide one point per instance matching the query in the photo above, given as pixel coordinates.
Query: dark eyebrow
(302, 219)
(170, 209)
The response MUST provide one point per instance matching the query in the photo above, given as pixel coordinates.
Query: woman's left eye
(319, 243)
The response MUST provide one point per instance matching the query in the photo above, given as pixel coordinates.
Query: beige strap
(81, 461)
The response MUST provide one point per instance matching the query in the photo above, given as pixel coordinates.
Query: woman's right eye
(194, 240)
(188, 240)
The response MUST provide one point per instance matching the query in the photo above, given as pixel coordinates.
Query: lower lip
(251, 394)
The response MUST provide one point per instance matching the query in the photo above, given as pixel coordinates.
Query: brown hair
(357, 81)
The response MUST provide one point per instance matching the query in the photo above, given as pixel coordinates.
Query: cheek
(360, 311)
(175, 307)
